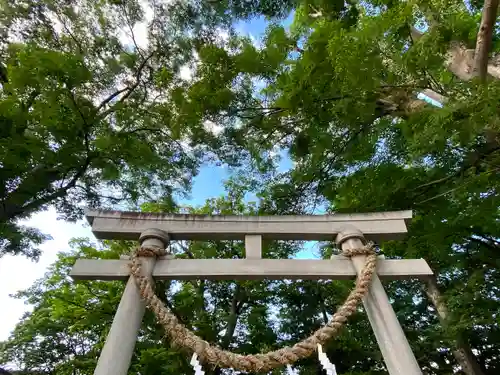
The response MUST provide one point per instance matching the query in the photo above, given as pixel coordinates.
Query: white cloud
(140, 29)
(257, 43)
(212, 127)
(185, 142)
(223, 36)
(186, 73)
(275, 151)
(18, 273)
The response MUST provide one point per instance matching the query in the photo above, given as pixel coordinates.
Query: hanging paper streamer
(325, 362)
(291, 371)
(196, 365)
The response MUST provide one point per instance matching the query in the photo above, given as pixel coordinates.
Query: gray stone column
(398, 356)
(117, 351)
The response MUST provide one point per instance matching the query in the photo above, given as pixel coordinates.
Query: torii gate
(352, 231)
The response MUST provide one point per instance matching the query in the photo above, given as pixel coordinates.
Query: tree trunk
(232, 319)
(467, 63)
(462, 352)
(484, 36)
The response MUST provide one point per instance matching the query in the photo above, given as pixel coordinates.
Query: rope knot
(149, 251)
(365, 250)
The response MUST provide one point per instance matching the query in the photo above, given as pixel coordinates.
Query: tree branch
(99, 196)
(56, 194)
(3, 74)
(484, 39)
(128, 89)
(455, 188)
(477, 159)
(442, 194)
(77, 42)
(111, 97)
(162, 132)
(129, 24)
(349, 141)
(489, 243)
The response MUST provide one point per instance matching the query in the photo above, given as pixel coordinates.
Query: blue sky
(257, 26)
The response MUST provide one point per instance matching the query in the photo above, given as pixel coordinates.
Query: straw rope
(183, 337)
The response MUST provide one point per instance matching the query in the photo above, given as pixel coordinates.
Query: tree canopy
(91, 114)
(380, 105)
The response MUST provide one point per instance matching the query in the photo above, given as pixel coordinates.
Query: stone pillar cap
(155, 233)
(347, 233)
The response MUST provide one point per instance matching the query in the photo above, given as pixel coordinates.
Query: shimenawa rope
(183, 337)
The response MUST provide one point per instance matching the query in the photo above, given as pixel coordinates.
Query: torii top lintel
(376, 226)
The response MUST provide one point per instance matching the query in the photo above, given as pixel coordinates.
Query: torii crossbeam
(157, 229)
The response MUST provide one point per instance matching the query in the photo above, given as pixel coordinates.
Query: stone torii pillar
(158, 229)
(119, 346)
(398, 356)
